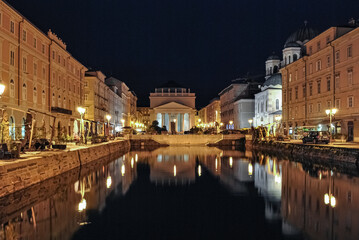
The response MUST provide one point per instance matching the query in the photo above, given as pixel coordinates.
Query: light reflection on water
(292, 200)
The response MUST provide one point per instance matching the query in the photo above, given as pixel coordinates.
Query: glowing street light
(82, 205)
(250, 169)
(2, 89)
(108, 182)
(231, 162)
(331, 113)
(329, 198)
(82, 111)
(250, 122)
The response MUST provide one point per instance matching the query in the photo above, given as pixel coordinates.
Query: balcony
(61, 110)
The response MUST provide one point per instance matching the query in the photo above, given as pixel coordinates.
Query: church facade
(173, 106)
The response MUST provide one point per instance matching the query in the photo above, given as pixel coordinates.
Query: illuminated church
(173, 106)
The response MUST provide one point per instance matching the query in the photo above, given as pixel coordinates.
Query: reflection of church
(173, 106)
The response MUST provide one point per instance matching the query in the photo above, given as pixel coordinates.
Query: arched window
(277, 104)
(12, 88)
(43, 97)
(64, 102)
(295, 57)
(23, 129)
(53, 100)
(275, 69)
(289, 60)
(35, 95)
(24, 92)
(59, 101)
(12, 128)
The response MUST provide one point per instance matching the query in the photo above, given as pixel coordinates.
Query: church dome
(275, 79)
(303, 34)
(273, 57)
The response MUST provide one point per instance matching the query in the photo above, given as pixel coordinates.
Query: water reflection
(139, 192)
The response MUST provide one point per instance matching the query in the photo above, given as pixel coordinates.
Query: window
(53, 100)
(35, 43)
(310, 89)
(350, 76)
(277, 104)
(318, 85)
(12, 58)
(35, 95)
(43, 73)
(329, 104)
(337, 80)
(350, 51)
(35, 69)
(59, 101)
(318, 46)
(337, 103)
(43, 48)
(319, 106)
(310, 108)
(12, 88)
(310, 68)
(319, 65)
(64, 102)
(328, 83)
(290, 94)
(304, 91)
(24, 35)
(24, 92)
(12, 27)
(43, 97)
(296, 92)
(24, 64)
(86, 97)
(310, 50)
(350, 101)
(328, 61)
(337, 56)
(85, 83)
(328, 39)
(53, 54)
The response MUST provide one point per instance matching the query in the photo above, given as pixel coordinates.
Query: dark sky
(202, 44)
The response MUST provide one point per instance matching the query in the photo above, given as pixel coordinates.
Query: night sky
(201, 44)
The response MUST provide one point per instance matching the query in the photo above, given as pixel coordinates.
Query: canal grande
(187, 193)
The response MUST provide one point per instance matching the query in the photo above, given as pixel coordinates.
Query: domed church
(268, 102)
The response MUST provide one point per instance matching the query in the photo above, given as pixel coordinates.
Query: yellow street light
(81, 110)
(2, 89)
(250, 122)
(331, 113)
(108, 182)
(231, 122)
(108, 117)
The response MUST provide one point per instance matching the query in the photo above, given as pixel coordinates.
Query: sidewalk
(338, 144)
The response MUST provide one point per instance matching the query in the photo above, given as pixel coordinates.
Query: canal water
(188, 193)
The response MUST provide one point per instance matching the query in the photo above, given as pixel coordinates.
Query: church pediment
(172, 105)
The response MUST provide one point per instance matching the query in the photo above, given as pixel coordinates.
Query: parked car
(316, 137)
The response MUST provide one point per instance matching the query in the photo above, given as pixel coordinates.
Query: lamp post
(330, 113)
(250, 122)
(81, 110)
(108, 117)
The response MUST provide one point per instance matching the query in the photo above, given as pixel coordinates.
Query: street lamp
(2, 89)
(108, 117)
(81, 110)
(250, 122)
(331, 113)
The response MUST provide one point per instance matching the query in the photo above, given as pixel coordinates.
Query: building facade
(326, 78)
(43, 81)
(173, 106)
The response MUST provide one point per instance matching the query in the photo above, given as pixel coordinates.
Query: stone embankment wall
(314, 153)
(22, 173)
(190, 139)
